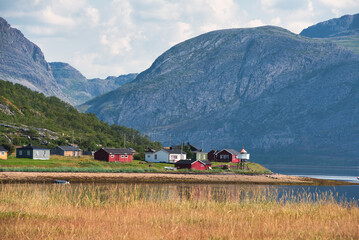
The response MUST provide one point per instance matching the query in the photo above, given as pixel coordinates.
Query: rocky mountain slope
(272, 91)
(23, 62)
(343, 31)
(78, 88)
(343, 26)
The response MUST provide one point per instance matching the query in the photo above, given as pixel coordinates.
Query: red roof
(243, 151)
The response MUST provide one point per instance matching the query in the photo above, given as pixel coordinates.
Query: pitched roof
(243, 151)
(150, 150)
(174, 151)
(30, 146)
(3, 149)
(232, 151)
(185, 162)
(117, 151)
(69, 148)
(194, 148)
(192, 161)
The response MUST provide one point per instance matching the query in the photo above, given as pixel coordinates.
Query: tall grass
(118, 211)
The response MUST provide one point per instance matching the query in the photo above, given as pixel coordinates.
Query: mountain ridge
(344, 26)
(227, 87)
(23, 62)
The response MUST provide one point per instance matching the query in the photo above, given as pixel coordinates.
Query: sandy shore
(272, 179)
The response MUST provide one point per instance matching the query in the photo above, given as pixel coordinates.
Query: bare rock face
(21, 61)
(78, 88)
(275, 92)
(344, 26)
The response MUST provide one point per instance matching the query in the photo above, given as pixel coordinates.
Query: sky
(115, 37)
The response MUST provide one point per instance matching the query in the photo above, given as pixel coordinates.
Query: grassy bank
(88, 164)
(171, 212)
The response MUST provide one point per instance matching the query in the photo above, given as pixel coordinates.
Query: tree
(9, 147)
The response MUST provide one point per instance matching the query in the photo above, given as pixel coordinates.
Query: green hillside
(30, 117)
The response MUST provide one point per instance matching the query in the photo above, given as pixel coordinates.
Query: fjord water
(341, 173)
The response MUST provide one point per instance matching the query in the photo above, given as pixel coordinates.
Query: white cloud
(93, 14)
(113, 37)
(41, 31)
(255, 23)
(340, 3)
(310, 6)
(276, 21)
(53, 18)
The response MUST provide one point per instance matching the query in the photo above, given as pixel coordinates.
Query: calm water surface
(348, 174)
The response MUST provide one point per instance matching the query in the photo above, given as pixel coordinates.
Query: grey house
(68, 151)
(33, 152)
(198, 153)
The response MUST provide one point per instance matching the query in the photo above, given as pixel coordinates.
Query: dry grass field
(114, 211)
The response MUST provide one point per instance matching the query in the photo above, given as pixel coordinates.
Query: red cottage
(212, 155)
(193, 164)
(227, 155)
(113, 155)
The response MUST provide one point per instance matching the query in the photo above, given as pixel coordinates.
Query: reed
(120, 211)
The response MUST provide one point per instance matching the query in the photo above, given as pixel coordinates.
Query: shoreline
(201, 178)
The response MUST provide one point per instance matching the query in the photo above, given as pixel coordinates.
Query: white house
(165, 155)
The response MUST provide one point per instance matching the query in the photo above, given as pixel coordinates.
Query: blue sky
(114, 37)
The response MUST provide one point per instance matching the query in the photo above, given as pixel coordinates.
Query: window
(20, 152)
(112, 156)
(126, 156)
(44, 154)
(2, 153)
(224, 157)
(121, 156)
(155, 156)
(37, 153)
(174, 156)
(202, 165)
(28, 152)
(148, 156)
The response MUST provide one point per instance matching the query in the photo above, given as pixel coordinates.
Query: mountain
(285, 97)
(343, 31)
(21, 61)
(30, 117)
(78, 88)
(343, 26)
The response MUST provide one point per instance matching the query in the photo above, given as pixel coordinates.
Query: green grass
(88, 164)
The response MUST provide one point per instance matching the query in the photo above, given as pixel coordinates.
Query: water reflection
(233, 192)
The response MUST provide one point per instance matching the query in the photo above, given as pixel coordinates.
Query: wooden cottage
(3, 152)
(212, 155)
(193, 164)
(227, 155)
(67, 151)
(113, 155)
(33, 152)
(171, 155)
(198, 153)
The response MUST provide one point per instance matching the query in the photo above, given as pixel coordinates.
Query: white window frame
(112, 155)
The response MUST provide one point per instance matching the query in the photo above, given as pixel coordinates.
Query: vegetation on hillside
(31, 117)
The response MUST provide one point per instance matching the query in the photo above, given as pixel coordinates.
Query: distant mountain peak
(23, 62)
(343, 26)
(266, 88)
